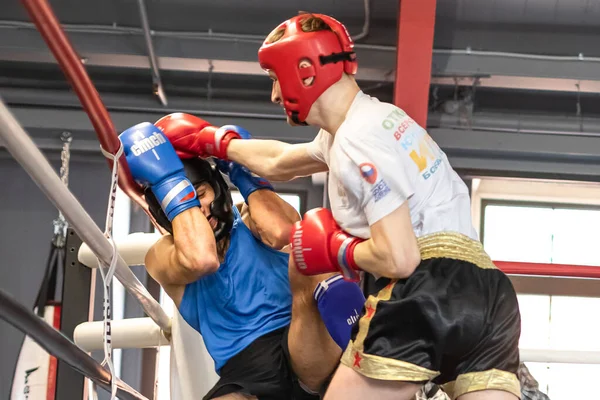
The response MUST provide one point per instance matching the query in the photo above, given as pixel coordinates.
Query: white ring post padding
(560, 356)
(192, 369)
(130, 333)
(24, 150)
(132, 248)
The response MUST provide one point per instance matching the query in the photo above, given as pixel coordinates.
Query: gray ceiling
(107, 35)
(526, 12)
(258, 17)
(234, 16)
(199, 14)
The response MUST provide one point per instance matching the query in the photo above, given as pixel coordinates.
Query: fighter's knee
(236, 396)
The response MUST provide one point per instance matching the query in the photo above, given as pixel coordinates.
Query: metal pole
(158, 87)
(59, 346)
(53, 34)
(77, 293)
(414, 52)
(22, 148)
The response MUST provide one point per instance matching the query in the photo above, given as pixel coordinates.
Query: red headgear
(330, 53)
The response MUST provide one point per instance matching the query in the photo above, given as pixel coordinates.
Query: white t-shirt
(378, 159)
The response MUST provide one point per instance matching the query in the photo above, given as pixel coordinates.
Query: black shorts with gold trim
(454, 321)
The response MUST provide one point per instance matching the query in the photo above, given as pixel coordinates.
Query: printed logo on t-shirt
(393, 119)
(422, 150)
(398, 121)
(380, 190)
(368, 172)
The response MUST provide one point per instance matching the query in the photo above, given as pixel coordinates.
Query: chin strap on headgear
(329, 52)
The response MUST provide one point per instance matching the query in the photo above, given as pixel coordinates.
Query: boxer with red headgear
(307, 63)
(443, 312)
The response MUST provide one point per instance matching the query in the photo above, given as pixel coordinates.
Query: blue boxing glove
(244, 134)
(340, 303)
(246, 182)
(153, 162)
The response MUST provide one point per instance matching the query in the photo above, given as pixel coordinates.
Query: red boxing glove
(319, 246)
(194, 137)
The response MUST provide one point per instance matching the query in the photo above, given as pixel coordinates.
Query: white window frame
(545, 194)
(551, 193)
(534, 191)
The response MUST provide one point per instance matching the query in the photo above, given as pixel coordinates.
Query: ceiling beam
(236, 54)
(472, 152)
(416, 22)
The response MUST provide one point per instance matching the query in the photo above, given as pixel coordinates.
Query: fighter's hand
(319, 246)
(194, 137)
(154, 163)
(243, 179)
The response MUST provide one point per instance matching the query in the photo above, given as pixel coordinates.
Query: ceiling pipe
(57, 41)
(517, 123)
(478, 119)
(367, 24)
(158, 88)
(258, 39)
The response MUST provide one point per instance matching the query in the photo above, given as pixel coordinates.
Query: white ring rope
(26, 153)
(108, 276)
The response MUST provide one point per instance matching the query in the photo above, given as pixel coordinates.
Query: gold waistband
(455, 246)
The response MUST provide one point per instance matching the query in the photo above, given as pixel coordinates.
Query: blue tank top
(248, 297)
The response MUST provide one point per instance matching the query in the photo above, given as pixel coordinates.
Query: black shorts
(263, 370)
(454, 321)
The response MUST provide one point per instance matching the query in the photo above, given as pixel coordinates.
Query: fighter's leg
(314, 354)
(236, 396)
(488, 395)
(348, 384)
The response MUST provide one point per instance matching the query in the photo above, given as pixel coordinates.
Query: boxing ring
(23, 149)
(189, 359)
(134, 247)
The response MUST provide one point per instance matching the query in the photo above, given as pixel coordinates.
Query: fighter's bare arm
(274, 160)
(190, 253)
(392, 250)
(270, 218)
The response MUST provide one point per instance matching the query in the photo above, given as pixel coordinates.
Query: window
(543, 233)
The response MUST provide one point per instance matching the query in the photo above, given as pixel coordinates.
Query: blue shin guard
(340, 303)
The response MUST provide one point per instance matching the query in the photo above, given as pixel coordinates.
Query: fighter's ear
(307, 71)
